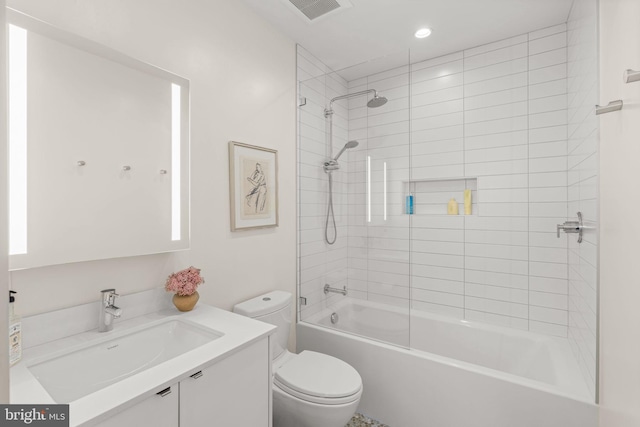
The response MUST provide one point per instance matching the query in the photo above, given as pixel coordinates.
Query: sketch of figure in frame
(255, 187)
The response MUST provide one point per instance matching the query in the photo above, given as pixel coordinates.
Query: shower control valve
(572, 227)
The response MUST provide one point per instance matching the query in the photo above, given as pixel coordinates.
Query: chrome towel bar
(631, 76)
(612, 106)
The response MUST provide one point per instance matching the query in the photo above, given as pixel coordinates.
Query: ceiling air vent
(314, 9)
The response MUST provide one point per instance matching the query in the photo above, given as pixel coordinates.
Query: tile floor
(360, 420)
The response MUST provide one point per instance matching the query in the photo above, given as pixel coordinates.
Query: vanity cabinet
(234, 392)
(158, 410)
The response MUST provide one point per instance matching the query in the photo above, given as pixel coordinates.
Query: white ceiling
(384, 28)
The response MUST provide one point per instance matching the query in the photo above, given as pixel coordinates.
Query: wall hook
(81, 163)
(163, 171)
(126, 168)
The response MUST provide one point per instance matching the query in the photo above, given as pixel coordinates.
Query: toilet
(310, 389)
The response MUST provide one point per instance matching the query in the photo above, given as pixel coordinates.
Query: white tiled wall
(547, 180)
(582, 180)
(513, 121)
(492, 119)
(320, 263)
(379, 256)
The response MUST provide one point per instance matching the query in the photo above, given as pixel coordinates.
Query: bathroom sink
(80, 372)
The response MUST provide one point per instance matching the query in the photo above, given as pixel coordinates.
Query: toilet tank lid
(263, 304)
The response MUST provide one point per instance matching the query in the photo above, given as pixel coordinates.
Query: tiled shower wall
(492, 119)
(319, 262)
(583, 179)
(512, 121)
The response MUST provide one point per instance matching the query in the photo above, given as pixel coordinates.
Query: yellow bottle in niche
(467, 202)
(452, 207)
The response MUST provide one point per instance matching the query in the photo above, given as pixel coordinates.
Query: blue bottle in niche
(409, 205)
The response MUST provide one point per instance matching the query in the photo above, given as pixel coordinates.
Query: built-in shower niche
(431, 196)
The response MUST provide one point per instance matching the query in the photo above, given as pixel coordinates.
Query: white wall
(497, 115)
(620, 229)
(583, 184)
(4, 239)
(243, 89)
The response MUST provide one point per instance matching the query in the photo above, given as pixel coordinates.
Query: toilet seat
(319, 378)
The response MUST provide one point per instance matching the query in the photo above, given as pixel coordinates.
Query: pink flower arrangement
(184, 282)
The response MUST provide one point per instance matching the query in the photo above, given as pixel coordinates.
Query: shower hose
(330, 213)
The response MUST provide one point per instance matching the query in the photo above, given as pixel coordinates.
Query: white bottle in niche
(15, 332)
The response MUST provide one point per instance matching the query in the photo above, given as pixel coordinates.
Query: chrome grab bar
(328, 289)
(572, 227)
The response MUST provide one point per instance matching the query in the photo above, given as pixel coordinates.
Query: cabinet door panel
(156, 411)
(232, 393)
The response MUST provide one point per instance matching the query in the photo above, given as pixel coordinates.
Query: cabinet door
(158, 410)
(232, 393)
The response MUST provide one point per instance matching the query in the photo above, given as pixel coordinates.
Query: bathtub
(456, 373)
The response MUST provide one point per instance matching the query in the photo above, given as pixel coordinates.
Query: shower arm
(329, 112)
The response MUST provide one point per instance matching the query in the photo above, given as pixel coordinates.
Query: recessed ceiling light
(423, 32)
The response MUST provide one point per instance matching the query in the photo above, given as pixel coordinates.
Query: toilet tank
(273, 308)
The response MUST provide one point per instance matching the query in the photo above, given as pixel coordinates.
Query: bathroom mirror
(99, 146)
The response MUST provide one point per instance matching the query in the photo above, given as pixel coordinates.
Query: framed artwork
(253, 186)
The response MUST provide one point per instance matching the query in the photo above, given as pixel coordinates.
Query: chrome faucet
(108, 311)
(328, 289)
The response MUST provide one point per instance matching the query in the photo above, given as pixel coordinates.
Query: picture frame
(253, 186)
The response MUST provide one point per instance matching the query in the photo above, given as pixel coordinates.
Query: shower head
(376, 101)
(350, 144)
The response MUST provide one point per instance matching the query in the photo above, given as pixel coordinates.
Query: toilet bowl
(314, 390)
(310, 389)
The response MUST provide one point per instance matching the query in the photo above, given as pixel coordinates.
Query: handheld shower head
(350, 144)
(332, 164)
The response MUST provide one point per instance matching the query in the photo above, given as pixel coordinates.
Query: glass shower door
(353, 164)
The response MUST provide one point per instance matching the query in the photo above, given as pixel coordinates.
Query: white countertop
(238, 332)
